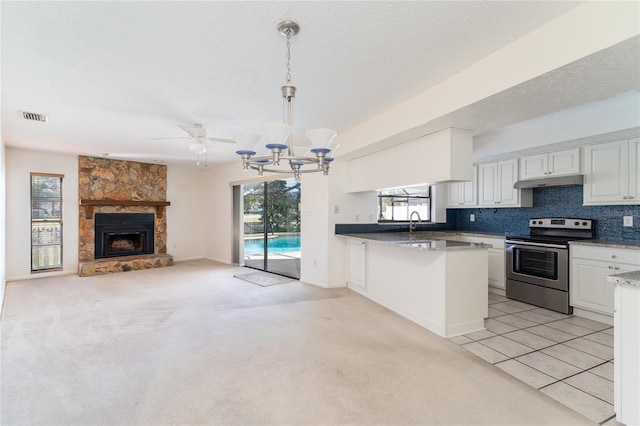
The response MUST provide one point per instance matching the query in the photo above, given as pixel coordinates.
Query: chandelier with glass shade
(272, 150)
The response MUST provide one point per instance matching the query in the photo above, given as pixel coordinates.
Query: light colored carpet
(189, 344)
(263, 279)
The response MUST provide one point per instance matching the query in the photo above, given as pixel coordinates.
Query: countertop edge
(628, 279)
(460, 246)
(605, 243)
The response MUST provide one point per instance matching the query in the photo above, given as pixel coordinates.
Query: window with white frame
(396, 205)
(46, 222)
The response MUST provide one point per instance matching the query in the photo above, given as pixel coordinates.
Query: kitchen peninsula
(438, 283)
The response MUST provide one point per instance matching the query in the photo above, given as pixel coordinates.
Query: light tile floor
(567, 358)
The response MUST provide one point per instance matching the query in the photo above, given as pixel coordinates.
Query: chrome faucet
(412, 225)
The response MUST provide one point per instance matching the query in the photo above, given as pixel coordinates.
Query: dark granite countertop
(430, 241)
(631, 279)
(632, 245)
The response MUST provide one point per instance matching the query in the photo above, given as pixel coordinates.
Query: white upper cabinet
(495, 185)
(558, 163)
(611, 173)
(634, 170)
(464, 194)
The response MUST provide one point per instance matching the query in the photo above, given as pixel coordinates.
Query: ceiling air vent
(35, 117)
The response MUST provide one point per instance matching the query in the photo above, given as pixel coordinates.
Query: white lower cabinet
(496, 268)
(357, 263)
(589, 288)
(496, 272)
(626, 347)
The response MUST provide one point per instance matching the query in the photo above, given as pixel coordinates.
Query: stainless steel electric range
(537, 265)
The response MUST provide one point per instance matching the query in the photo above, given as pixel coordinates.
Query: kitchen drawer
(606, 254)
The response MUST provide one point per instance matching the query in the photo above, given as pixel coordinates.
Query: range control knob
(585, 223)
(576, 223)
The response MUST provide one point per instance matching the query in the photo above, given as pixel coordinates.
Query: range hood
(568, 180)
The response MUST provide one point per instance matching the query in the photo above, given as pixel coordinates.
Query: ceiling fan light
(197, 148)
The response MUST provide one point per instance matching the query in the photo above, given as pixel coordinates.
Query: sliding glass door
(271, 221)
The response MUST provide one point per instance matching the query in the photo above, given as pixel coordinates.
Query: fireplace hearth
(123, 234)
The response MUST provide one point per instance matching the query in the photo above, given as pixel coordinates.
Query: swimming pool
(279, 244)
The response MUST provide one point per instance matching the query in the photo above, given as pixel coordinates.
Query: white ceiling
(113, 75)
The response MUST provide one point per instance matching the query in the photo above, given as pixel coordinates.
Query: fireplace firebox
(123, 234)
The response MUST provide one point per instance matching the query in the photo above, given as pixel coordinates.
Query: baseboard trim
(41, 275)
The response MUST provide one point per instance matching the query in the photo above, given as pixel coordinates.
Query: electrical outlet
(357, 218)
(627, 221)
(472, 217)
(336, 209)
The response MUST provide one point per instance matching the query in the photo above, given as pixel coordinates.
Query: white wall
(19, 164)
(187, 218)
(314, 219)
(323, 254)
(594, 118)
(3, 225)
(218, 204)
(361, 207)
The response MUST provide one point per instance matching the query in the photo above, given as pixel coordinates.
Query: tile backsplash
(553, 202)
(356, 228)
(547, 202)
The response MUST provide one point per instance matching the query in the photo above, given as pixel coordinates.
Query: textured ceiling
(113, 75)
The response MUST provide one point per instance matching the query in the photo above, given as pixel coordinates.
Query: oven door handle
(523, 243)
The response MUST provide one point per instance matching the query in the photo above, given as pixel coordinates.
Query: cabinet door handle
(631, 197)
(613, 256)
(610, 266)
(616, 268)
(625, 197)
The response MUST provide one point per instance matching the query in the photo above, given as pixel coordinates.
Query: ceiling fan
(198, 134)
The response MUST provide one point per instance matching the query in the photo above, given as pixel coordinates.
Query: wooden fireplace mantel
(90, 204)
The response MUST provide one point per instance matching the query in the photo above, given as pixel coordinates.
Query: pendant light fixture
(272, 150)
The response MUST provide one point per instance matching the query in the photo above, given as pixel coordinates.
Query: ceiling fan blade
(221, 140)
(194, 130)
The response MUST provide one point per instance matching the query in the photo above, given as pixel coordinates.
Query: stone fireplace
(122, 222)
(123, 234)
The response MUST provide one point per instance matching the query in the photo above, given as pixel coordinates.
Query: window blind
(46, 221)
